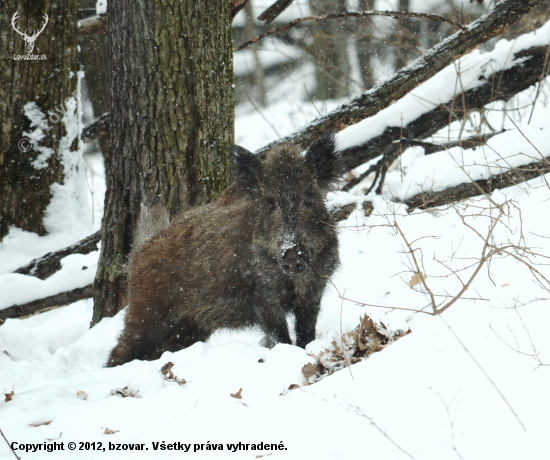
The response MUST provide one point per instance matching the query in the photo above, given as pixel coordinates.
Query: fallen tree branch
(49, 303)
(93, 25)
(408, 78)
(432, 199)
(460, 192)
(517, 78)
(467, 143)
(96, 128)
(350, 14)
(47, 265)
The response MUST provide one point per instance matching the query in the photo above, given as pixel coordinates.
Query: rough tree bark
(24, 187)
(408, 78)
(171, 125)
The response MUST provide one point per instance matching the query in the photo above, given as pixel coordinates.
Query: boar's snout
(292, 264)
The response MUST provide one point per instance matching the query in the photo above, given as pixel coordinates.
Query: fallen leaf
(169, 376)
(110, 431)
(166, 370)
(41, 423)
(124, 392)
(9, 396)
(82, 395)
(261, 360)
(505, 285)
(309, 369)
(417, 278)
(237, 395)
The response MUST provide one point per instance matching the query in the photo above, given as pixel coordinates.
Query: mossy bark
(24, 187)
(172, 124)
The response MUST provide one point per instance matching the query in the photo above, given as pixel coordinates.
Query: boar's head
(288, 188)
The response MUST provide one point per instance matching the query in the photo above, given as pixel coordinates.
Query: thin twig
(359, 412)
(350, 14)
(484, 372)
(419, 270)
(311, 100)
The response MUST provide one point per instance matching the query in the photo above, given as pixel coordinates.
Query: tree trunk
(366, 49)
(258, 76)
(329, 51)
(30, 164)
(94, 54)
(172, 124)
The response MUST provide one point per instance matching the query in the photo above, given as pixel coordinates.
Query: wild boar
(263, 250)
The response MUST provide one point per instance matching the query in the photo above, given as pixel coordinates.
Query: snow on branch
(47, 265)
(408, 78)
(499, 82)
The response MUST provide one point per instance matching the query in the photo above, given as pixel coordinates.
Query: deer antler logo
(29, 39)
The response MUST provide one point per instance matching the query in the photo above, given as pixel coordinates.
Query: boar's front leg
(272, 320)
(305, 313)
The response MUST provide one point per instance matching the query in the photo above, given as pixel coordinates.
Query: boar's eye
(271, 203)
(308, 200)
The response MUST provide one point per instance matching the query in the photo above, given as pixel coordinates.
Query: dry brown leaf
(505, 285)
(237, 395)
(110, 431)
(166, 370)
(82, 395)
(169, 376)
(124, 392)
(8, 396)
(417, 278)
(41, 423)
(309, 369)
(261, 360)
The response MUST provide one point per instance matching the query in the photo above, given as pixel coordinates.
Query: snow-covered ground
(472, 383)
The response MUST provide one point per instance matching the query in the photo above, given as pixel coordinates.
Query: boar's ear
(325, 159)
(246, 169)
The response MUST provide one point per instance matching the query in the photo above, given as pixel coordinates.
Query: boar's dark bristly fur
(262, 251)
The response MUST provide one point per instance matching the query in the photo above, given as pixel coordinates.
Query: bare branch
(350, 14)
(96, 128)
(41, 305)
(93, 25)
(47, 265)
(274, 10)
(460, 192)
(236, 6)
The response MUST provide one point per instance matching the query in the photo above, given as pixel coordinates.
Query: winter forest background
(442, 115)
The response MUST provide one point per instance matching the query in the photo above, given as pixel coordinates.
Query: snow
(471, 383)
